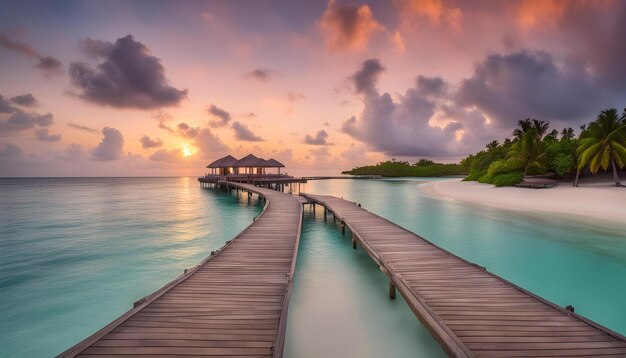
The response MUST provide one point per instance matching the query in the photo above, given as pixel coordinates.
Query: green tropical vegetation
(422, 168)
(532, 150)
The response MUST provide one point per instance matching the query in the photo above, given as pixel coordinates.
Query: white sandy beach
(596, 201)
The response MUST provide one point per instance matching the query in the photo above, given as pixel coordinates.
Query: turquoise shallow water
(569, 261)
(75, 253)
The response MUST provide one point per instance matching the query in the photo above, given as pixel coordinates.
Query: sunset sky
(143, 88)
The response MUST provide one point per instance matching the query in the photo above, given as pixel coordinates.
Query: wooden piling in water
(392, 290)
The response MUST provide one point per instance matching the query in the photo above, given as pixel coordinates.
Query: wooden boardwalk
(232, 304)
(470, 311)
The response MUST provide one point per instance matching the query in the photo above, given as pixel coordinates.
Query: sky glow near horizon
(163, 88)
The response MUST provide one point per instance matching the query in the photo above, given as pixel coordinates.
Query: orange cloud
(348, 27)
(434, 10)
(398, 42)
(531, 13)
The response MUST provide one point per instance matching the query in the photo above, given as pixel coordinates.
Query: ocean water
(75, 254)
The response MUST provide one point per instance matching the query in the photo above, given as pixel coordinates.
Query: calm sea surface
(75, 254)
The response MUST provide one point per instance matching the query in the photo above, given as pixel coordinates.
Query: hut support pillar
(353, 241)
(392, 290)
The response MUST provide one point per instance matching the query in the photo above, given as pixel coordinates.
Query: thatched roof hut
(225, 162)
(250, 161)
(247, 165)
(275, 163)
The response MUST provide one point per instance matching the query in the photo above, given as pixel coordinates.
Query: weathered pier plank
(469, 311)
(233, 304)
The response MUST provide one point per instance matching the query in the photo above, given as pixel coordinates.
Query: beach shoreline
(603, 202)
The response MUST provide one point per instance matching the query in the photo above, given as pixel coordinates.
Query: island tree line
(533, 149)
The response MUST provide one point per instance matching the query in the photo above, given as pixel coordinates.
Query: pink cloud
(348, 27)
(436, 11)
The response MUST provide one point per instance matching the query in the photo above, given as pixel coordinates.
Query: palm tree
(492, 145)
(528, 151)
(603, 143)
(553, 134)
(541, 127)
(567, 133)
(524, 126)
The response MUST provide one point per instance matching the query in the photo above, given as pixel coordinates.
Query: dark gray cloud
(5, 106)
(83, 128)
(147, 142)
(502, 89)
(321, 153)
(399, 128)
(261, 74)
(20, 120)
(97, 49)
(221, 116)
(43, 134)
(166, 156)
(46, 63)
(349, 126)
(320, 138)
(527, 83)
(242, 132)
(209, 144)
(49, 64)
(163, 117)
(365, 79)
(110, 148)
(73, 152)
(430, 86)
(165, 127)
(129, 77)
(187, 131)
(597, 40)
(21, 47)
(25, 100)
(10, 150)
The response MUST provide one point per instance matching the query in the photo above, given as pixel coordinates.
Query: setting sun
(186, 151)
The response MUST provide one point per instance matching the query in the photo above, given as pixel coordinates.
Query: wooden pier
(468, 310)
(233, 304)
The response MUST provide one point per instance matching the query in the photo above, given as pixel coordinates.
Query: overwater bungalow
(248, 165)
(249, 169)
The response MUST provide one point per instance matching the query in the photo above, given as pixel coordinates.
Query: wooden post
(392, 291)
(353, 241)
(343, 228)
(325, 213)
